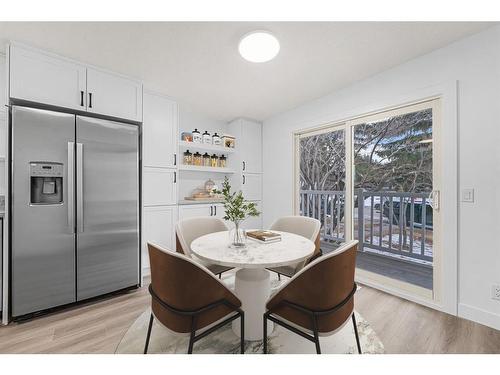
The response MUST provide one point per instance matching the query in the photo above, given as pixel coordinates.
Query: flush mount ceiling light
(259, 46)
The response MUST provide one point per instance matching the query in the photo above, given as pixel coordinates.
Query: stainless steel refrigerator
(75, 208)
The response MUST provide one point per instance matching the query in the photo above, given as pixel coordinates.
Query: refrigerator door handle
(79, 187)
(71, 186)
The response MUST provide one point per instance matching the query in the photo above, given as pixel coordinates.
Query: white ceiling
(199, 65)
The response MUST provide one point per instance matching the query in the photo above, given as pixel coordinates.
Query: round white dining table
(253, 283)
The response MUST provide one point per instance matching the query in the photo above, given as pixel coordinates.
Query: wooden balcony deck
(410, 272)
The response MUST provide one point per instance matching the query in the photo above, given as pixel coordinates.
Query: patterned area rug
(224, 341)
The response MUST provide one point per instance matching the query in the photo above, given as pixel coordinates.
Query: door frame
(447, 298)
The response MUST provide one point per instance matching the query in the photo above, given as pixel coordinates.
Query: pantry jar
(188, 158)
(197, 160)
(214, 161)
(196, 136)
(222, 161)
(206, 160)
(216, 140)
(206, 138)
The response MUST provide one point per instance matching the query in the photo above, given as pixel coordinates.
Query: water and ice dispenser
(46, 183)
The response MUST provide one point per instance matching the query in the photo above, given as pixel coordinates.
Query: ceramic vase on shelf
(237, 236)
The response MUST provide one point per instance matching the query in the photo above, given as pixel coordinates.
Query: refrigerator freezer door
(43, 240)
(107, 206)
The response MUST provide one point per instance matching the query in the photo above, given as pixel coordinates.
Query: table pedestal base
(253, 288)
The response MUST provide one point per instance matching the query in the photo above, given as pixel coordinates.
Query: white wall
(473, 62)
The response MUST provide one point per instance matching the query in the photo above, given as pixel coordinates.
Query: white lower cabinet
(200, 210)
(158, 226)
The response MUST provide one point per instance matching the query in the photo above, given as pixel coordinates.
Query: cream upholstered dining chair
(319, 299)
(186, 231)
(188, 299)
(303, 226)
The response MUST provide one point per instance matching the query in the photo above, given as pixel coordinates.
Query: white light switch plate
(468, 195)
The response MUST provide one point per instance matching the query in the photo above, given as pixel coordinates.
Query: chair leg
(279, 276)
(191, 337)
(242, 333)
(316, 335)
(148, 336)
(356, 333)
(220, 275)
(264, 338)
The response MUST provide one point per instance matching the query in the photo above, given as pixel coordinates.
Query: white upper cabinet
(44, 78)
(250, 146)
(113, 95)
(159, 186)
(160, 123)
(251, 186)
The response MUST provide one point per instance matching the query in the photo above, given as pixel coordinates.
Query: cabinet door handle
(215, 209)
(90, 100)
(175, 177)
(81, 98)
(211, 210)
(244, 179)
(175, 159)
(244, 165)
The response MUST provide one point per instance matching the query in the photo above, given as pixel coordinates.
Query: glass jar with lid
(222, 161)
(197, 160)
(206, 160)
(206, 138)
(216, 140)
(188, 158)
(214, 161)
(196, 136)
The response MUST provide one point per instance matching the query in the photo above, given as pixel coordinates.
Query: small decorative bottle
(188, 158)
(206, 160)
(197, 159)
(196, 136)
(222, 161)
(206, 138)
(214, 161)
(216, 140)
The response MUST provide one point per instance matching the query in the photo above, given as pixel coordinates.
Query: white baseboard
(479, 315)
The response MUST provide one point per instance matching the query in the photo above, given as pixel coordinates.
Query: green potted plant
(237, 210)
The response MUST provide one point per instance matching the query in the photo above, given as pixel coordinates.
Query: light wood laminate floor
(97, 327)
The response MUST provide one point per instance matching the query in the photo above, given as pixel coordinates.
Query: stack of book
(264, 236)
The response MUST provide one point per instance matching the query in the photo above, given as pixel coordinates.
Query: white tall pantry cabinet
(248, 178)
(159, 194)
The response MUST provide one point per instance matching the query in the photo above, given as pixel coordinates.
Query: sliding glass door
(374, 179)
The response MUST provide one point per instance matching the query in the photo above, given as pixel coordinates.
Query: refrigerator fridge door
(43, 239)
(107, 188)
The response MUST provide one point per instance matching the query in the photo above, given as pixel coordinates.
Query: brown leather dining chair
(188, 299)
(186, 231)
(319, 299)
(304, 226)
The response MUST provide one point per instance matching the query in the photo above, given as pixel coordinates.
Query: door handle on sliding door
(79, 187)
(71, 186)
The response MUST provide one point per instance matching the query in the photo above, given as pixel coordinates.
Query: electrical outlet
(495, 292)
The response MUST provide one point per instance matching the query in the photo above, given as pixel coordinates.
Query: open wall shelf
(196, 168)
(205, 147)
